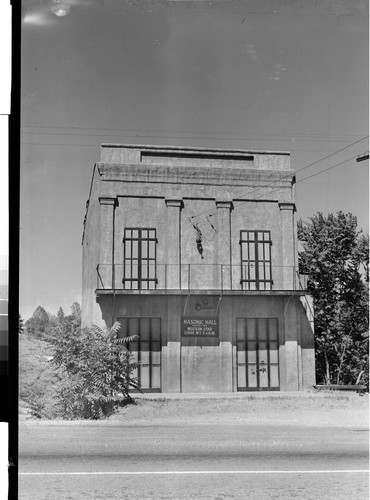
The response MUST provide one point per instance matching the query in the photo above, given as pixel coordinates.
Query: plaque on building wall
(199, 327)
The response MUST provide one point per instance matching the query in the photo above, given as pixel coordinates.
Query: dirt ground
(319, 410)
(310, 409)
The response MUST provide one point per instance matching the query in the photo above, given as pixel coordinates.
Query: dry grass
(332, 410)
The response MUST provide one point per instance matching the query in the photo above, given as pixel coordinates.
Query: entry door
(146, 349)
(257, 348)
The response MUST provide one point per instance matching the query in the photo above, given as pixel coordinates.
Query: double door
(257, 348)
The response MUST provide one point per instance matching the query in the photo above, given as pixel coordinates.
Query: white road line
(137, 473)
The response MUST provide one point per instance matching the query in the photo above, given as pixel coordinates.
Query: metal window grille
(140, 258)
(255, 248)
(257, 344)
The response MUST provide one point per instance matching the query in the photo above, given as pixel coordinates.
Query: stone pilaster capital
(106, 200)
(175, 203)
(285, 205)
(225, 204)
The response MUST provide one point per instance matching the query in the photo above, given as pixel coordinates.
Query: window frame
(256, 245)
(153, 343)
(142, 263)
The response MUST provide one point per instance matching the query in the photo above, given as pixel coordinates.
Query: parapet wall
(198, 157)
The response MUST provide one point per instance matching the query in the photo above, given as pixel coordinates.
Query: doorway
(257, 354)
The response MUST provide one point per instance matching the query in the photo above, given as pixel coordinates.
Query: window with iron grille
(145, 349)
(140, 256)
(255, 248)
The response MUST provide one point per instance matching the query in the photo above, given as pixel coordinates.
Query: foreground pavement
(192, 461)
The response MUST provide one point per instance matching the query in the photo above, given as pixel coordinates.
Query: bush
(98, 371)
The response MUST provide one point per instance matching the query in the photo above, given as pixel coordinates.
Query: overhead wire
(278, 189)
(221, 235)
(158, 134)
(207, 241)
(292, 135)
(290, 174)
(326, 169)
(306, 178)
(210, 212)
(97, 146)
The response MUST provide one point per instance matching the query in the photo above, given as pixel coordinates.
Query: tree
(38, 323)
(76, 311)
(335, 257)
(98, 370)
(60, 315)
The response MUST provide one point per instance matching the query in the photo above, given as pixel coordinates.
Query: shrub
(98, 371)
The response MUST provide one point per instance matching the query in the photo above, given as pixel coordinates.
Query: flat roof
(195, 149)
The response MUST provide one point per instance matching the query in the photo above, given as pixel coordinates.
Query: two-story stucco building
(194, 250)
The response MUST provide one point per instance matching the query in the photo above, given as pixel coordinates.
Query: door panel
(242, 375)
(274, 376)
(156, 377)
(257, 354)
(144, 377)
(252, 376)
(252, 354)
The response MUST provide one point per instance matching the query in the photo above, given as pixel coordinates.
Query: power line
(70, 145)
(150, 133)
(204, 239)
(290, 174)
(332, 154)
(239, 204)
(220, 234)
(310, 165)
(326, 169)
(192, 131)
(301, 180)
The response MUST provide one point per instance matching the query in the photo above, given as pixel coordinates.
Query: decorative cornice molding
(194, 175)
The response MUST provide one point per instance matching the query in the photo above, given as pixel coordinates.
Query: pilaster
(173, 244)
(289, 263)
(106, 260)
(292, 361)
(224, 209)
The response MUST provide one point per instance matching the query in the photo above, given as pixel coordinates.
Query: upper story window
(140, 256)
(255, 248)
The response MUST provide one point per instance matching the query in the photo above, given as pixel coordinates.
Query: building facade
(194, 251)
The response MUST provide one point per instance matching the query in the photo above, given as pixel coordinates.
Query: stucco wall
(220, 192)
(215, 191)
(209, 364)
(91, 313)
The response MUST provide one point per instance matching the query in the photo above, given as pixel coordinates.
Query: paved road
(191, 462)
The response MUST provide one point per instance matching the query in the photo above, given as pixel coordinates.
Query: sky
(288, 75)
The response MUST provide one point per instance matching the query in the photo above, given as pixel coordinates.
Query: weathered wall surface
(91, 313)
(220, 192)
(217, 192)
(209, 364)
